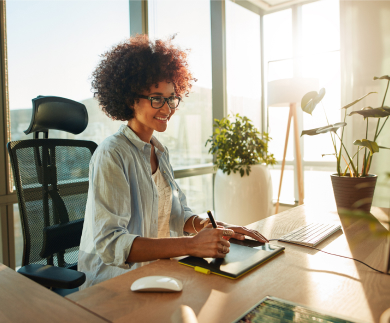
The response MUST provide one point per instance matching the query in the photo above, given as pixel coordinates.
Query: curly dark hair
(132, 67)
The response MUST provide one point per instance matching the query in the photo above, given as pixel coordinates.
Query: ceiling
(268, 5)
(275, 2)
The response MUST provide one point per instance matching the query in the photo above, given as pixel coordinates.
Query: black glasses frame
(150, 98)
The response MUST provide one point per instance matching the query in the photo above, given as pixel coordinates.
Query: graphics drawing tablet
(243, 256)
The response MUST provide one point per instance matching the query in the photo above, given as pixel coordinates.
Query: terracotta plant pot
(353, 193)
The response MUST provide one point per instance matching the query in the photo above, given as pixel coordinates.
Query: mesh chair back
(51, 179)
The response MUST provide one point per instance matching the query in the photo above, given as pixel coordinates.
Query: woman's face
(148, 119)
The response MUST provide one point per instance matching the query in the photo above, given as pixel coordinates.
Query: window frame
(7, 195)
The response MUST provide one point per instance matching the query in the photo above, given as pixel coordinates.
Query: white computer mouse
(157, 284)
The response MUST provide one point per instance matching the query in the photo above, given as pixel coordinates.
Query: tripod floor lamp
(287, 92)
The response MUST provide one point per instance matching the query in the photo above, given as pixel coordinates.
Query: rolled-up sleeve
(111, 209)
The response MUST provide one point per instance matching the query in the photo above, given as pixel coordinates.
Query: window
(278, 53)
(243, 62)
(53, 47)
(191, 125)
(199, 192)
(312, 51)
(321, 59)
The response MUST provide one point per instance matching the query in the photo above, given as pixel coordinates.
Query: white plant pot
(243, 200)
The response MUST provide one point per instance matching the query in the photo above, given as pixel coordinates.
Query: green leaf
(237, 144)
(384, 77)
(308, 97)
(310, 132)
(371, 145)
(317, 131)
(369, 112)
(332, 127)
(311, 99)
(356, 101)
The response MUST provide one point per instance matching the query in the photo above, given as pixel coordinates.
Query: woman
(135, 211)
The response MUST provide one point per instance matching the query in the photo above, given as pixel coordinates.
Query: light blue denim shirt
(123, 204)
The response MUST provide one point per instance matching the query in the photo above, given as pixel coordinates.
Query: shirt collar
(130, 134)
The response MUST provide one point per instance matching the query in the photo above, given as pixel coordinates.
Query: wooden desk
(22, 300)
(302, 275)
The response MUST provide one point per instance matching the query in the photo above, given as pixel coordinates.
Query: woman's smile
(162, 119)
(148, 119)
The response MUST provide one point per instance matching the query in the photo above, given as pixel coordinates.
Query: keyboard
(311, 234)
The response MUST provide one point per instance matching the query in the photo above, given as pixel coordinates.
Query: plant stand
(292, 114)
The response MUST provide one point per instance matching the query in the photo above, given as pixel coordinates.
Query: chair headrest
(53, 112)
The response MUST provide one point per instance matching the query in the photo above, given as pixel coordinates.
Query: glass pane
(243, 62)
(199, 192)
(191, 125)
(53, 47)
(18, 237)
(318, 179)
(278, 49)
(278, 118)
(280, 70)
(325, 67)
(278, 35)
(321, 33)
(287, 192)
(321, 26)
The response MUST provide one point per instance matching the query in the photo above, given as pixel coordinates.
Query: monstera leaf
(369, 112)
(317, 131)
(384, 77)
(332, 127)
(311, 132)
(356, 101)
(311, 99)
(371, 145)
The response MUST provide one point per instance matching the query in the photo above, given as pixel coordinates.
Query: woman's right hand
(209, 242)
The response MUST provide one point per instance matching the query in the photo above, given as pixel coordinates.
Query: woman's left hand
(240, 232)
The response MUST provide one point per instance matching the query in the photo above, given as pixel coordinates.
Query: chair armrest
(51, 276)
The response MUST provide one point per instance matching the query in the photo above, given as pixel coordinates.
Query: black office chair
(51, 180)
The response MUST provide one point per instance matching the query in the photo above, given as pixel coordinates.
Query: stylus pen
(212, 219)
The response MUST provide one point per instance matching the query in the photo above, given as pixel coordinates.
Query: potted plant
(353, 186)
(243, 187)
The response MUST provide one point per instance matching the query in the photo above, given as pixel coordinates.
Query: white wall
(365, 53)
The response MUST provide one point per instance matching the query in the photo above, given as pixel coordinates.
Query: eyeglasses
(158, 102)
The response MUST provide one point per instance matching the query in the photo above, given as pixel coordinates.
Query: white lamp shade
(285, 91)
